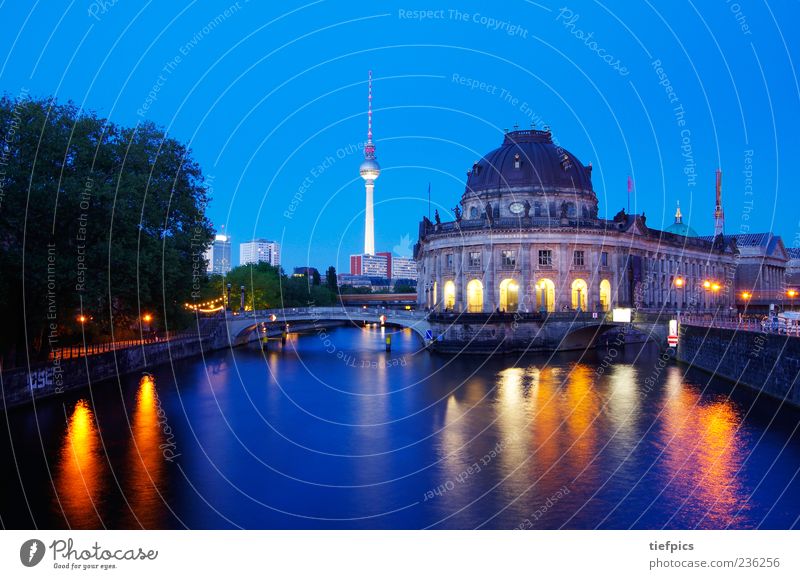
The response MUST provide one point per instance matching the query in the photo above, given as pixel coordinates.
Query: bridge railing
(320, 312)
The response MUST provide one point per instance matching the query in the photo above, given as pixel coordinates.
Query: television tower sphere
(369, 170)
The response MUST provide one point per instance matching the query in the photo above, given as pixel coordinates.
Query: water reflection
(79, 479)
(145, 461)
(702, 454)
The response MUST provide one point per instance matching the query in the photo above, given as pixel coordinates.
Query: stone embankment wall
(769, 363)
(23, 385)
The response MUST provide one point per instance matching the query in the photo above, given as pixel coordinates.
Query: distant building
(218, 255)
(404, 268)
(793, 267)
(760, 278)
(260, 251)
(345, 279)
(305, 272)
(378, 265)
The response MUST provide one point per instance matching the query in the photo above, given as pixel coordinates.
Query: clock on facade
(516, 208)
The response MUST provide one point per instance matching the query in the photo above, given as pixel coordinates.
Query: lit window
(474, 258)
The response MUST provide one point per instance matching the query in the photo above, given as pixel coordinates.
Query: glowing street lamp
(792, 293)
(746, 295)
(82, 319)
(147, 318)
(707, 284)
(679, 283)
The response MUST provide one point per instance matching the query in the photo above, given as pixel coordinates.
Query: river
(330, 431)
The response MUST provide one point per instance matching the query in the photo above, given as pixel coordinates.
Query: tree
(315, 280)
(94, 218)
(331, 281)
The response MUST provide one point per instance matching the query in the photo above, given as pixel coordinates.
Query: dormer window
(476, 169)
(517, 162)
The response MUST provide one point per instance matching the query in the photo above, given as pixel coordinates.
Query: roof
(768, 242)
(681, 229)
(793, 252)
(530, 159)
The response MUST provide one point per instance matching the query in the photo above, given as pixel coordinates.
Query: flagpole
(630, 186)
(429, 200)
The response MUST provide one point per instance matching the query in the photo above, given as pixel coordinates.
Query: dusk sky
(271, 98)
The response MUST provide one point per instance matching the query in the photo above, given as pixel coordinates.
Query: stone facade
(527, 238)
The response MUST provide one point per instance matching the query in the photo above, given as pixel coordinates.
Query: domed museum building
(526, 237)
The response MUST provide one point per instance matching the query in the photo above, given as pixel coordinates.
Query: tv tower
(370, 170)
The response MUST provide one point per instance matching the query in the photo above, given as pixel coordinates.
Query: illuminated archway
(449, 295)
(605, 295)
(475, 296)
(509, 295)
(579, 294)
(546, 295)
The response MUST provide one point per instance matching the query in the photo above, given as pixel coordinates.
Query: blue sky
(272, 99)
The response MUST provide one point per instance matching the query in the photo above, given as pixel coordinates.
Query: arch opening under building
(605, 295)
(546, 295)
(579, 294)
(449, 295)
(509, 295)
(475, 296)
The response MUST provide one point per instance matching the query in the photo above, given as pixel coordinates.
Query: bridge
(468, 332)
(244, 327)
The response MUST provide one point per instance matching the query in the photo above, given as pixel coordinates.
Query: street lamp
(241, 301)
(792, 293)
(147, 318)
(679, 283)
(82, 319)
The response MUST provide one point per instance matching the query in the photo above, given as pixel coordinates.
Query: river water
(331, 431)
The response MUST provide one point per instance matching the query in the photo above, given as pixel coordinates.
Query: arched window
(546, 295)
(509, 295)
(571, 209)
(449, 295)
(475, 296)
(473, 213)
(579, 295)
(605, 295)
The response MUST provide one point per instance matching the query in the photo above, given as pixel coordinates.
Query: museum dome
(679, 227)
(528, 161)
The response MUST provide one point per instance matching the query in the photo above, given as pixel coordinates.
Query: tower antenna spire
(369, 148)
(369, 170)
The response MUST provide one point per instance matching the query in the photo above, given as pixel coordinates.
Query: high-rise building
(371, 265)
(383, 264)
(369, 170)
(404, 268)
(218, 255)
(260, 251)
